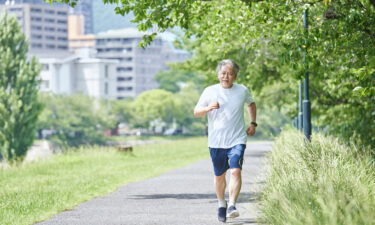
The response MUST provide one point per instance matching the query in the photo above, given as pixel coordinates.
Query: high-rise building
(45, 26)
(77, 38)
(137, 67)
(85, 8)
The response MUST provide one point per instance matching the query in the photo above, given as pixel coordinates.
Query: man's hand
(213, 105)
(250, 130)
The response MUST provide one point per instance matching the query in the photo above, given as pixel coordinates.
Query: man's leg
(235, 184)
(235, 156)
(220, 185)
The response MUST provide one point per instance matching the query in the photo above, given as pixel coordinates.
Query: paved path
(182, 197)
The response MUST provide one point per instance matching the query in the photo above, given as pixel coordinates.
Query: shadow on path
(245, 197)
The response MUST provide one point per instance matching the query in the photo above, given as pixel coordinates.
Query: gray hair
(230, 62)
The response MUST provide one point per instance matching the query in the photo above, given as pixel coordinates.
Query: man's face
(226, 76)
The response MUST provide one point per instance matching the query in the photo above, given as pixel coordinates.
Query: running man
(223, 103)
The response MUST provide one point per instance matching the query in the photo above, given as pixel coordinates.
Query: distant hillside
(105, 17)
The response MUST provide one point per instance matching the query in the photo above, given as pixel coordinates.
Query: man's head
(227, 71)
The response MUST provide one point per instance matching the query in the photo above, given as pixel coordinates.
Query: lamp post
(300, 114)
(306, 101)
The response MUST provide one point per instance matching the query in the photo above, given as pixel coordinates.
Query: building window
(61, 13)
(125, 50)
(124, 88)
(45, 67)
(36, 18)
(36, 10)
(36, 28)
(51, 12)
(36, 36)
(124, 78)
(106, 71)
(15, 9)
(49, 29)
(63, 47)
(49, 20)
(106, 88)
(35, 45)
(62, 38)
(100, 42)
(62, 30)
(61, 21)
(45, 84)
(124, 69)
(128, 59)
(51, 46)
(126, 40)
(50, 37)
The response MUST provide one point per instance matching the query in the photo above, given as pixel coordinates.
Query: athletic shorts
(225, 158)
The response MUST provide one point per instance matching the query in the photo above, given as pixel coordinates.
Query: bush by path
(324, 182)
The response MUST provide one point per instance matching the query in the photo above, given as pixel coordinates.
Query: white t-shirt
(226, 125)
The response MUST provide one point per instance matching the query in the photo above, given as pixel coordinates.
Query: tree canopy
(269, 42)
(19, 104)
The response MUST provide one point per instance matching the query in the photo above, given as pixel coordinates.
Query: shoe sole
(233, 214)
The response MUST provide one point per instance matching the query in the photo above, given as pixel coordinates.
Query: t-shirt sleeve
(248, 96)
(203, 100)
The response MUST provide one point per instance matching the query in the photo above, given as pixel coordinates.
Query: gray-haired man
(224, 103)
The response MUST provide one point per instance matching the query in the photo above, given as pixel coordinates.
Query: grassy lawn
(325, 182)
(34, 192)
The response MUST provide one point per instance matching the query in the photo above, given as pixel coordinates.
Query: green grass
(146, 138)
(324, 182)
(36, 191)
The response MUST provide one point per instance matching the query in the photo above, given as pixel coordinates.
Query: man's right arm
(202, 111)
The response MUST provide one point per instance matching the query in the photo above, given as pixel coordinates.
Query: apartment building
(137, 66)
(45, 26)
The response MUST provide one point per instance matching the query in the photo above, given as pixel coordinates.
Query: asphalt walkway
(181, 197)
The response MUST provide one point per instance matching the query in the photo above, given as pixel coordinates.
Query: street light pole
(300, 114)
(306, 101)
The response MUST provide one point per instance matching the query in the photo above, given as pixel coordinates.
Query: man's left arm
(252, 109)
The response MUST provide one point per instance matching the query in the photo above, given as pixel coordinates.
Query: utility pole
(306, 101)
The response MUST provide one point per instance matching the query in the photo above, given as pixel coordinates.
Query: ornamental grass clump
(322, 182)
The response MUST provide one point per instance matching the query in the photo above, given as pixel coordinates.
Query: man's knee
(236, 172)
(220, 178)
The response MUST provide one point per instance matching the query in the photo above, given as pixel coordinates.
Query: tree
(76, 120)
(19, 105)
(267, 39)
(153, 105)
(173, 80)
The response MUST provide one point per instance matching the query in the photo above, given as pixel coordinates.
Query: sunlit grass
(324, 182)
(36, 191)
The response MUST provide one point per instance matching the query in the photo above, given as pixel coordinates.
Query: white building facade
(79, 75)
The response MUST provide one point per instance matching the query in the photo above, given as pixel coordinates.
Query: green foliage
(121, 110)
(173, 80)
(322, 182)
(75, 120)
(269, 42)
(153, 105)
(19, 105)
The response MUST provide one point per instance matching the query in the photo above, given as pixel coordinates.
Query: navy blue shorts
(225, 158)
